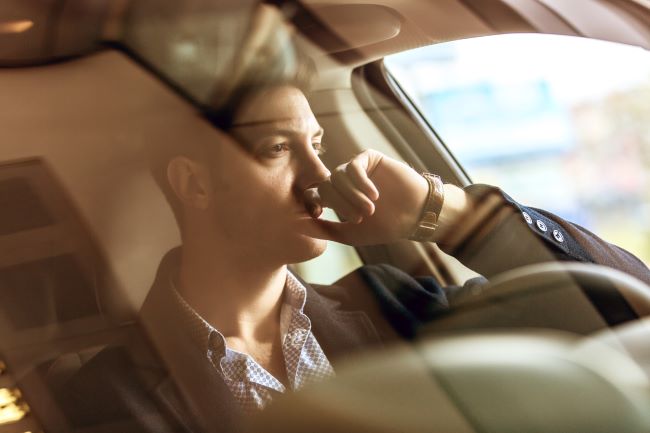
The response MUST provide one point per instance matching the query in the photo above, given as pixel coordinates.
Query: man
(233, 327)
(248, 206)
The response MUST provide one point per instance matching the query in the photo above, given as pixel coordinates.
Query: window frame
(425, 150)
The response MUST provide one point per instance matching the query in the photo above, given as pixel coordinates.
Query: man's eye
(318, 147)
(276, 149)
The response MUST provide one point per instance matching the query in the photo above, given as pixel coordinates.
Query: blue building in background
(486, 122)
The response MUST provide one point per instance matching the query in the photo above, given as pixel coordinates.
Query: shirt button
(527, 217)
(541, 225)
(558, 236)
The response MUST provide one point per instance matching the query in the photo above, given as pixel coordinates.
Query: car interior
(88, 87)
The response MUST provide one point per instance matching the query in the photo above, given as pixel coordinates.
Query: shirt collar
(295, 293)
(196, 326)
(200, 331)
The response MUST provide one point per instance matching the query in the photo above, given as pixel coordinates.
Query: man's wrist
(427, 224)
(457, 203)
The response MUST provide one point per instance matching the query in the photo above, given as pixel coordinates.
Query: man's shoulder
(117, 388)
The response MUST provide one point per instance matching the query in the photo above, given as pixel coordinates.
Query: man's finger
(344, 186)
(359, 177)
(333, 199)
(341, 232)
(313, 202)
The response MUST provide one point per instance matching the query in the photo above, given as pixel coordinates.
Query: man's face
(258, 193)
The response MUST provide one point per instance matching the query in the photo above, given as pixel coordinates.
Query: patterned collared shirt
(252, 386)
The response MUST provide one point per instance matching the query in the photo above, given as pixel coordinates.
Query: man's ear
(190, 181)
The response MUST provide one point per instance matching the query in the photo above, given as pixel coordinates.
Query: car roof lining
(428, 22)
(389, 26)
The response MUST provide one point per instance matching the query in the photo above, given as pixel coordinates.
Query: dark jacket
(129, 386)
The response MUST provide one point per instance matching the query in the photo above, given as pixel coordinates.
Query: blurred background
(561, 123)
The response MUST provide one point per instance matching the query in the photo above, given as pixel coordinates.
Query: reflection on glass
(17, 26)
(8, 396)
(13, 412)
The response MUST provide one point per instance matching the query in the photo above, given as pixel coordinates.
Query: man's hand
(379, 199)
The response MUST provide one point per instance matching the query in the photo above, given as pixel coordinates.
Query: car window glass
(154, 191)
(559, 122)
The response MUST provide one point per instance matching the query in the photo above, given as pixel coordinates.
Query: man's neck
(239, 298)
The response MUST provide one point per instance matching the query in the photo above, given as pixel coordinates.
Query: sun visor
(348, 26)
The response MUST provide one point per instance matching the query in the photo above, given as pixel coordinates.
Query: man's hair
(162, 153)
(275, 63)
(225, 105)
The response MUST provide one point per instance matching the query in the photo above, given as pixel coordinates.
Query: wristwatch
(428, 222)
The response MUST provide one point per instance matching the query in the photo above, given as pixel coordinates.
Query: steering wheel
(511, 380)
(576, 297)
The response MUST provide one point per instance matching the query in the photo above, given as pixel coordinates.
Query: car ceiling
(399, 25)
(352, 31)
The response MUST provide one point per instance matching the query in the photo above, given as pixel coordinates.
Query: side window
(561, 123)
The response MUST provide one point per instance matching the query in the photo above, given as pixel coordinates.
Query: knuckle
(373, 152)
(340, 170)
(309, 196)
(366, 152)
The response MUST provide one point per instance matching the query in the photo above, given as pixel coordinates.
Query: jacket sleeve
(501, 234)
(498, 235)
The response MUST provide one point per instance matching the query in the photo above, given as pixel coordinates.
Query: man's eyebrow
(259, 122)
(289, 131)
(268, 128)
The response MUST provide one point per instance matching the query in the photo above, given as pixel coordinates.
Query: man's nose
(312, 171)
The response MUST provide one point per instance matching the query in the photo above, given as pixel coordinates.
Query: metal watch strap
(428, 222)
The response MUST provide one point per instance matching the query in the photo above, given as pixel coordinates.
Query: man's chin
(311, 228)
(310, 248)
